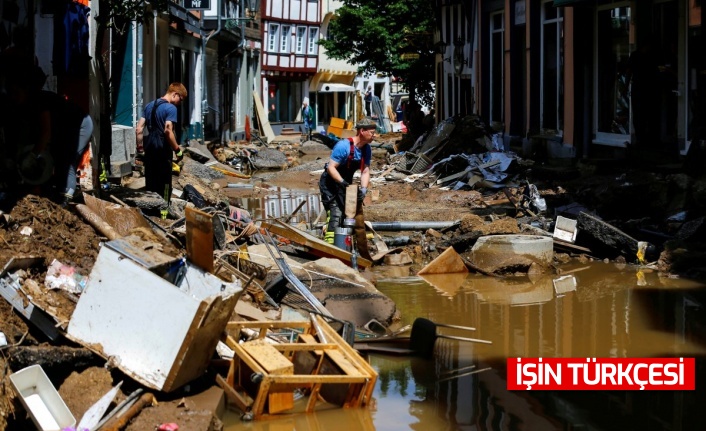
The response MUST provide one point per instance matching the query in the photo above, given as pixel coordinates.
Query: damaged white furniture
(159, 333)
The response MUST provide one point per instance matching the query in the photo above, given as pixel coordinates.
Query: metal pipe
(396, 241)
(412, 225)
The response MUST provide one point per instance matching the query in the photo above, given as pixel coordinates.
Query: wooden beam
(325, 249)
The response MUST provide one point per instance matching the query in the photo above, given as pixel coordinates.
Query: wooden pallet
(263, 376)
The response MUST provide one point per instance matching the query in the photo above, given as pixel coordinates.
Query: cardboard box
(161, 334)
(41, 400)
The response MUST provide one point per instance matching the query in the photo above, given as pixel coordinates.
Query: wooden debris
(314, 245)
(263, 376)
(199, 238)
(447, 262)
(608, 235)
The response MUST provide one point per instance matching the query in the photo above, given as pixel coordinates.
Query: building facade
(568, 75)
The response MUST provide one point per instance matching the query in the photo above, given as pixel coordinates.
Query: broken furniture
(264, 375)
(155, 317)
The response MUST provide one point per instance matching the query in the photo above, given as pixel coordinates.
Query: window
(612, 107)
(552, 96)
(273, 212)
(313, 38)
(273, 37)
(301, 37)
(284, 40)
(497, 30)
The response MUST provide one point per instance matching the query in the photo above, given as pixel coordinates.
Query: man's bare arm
(170, 136)
(139, 131)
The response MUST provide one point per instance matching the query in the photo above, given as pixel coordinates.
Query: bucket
(342, 238)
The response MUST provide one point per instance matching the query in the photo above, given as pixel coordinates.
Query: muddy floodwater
(599, 310)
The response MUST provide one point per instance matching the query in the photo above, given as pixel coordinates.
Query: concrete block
(119, 169)
(123, 143)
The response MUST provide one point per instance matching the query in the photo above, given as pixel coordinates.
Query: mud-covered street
(655, 204)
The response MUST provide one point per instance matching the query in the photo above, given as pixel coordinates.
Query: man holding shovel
(347, 157)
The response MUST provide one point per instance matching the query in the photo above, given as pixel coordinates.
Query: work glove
(179, 155)
(361, 193)
(343, 184)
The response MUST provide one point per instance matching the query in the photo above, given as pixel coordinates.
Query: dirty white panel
(146, 325)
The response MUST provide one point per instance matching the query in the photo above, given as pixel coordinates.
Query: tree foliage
(114, 13)
(391, 37)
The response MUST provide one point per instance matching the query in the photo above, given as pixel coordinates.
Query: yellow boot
(328, 235)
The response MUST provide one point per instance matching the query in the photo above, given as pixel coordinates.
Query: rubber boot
(328, 235)
(334, 221)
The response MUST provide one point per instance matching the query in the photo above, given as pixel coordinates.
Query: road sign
(197, 4)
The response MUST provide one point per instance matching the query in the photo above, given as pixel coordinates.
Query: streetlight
(459, 59)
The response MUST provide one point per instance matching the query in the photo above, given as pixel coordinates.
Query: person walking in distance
(156, 134)
(348, 156)
(368, 100)
(308, 115)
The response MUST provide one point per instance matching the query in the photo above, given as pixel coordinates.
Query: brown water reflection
(602, 310)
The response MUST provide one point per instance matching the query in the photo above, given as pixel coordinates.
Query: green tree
(391, 37)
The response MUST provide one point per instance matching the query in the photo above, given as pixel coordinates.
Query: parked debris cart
(156, 318)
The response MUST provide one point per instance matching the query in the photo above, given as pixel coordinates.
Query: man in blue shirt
(348, 156)
(159, 117)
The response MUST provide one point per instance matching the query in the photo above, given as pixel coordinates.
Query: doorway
(665, 25)
(612, 107)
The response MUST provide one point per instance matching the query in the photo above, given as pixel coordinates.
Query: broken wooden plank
(240, 400)
(447, 262)
(262, 118)
(269, 358)
(315, 245)
(572, 247)
(608, 235)
(199, 238)
(351, 200)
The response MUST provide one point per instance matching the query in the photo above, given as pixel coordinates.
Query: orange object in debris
(247, 128)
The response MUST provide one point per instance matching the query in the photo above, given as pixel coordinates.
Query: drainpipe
(240, 60)
(412, 225)
(204, 88)
(139, 37)
(155, 58)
